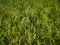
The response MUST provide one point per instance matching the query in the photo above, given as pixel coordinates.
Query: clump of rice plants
(29, 22)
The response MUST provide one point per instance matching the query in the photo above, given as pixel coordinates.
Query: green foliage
(29, 22)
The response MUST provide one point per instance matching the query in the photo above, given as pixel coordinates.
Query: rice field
(29, 22)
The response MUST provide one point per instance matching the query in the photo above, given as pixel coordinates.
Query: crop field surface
(29, 22)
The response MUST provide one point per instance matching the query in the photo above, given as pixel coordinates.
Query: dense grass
(29, 22)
